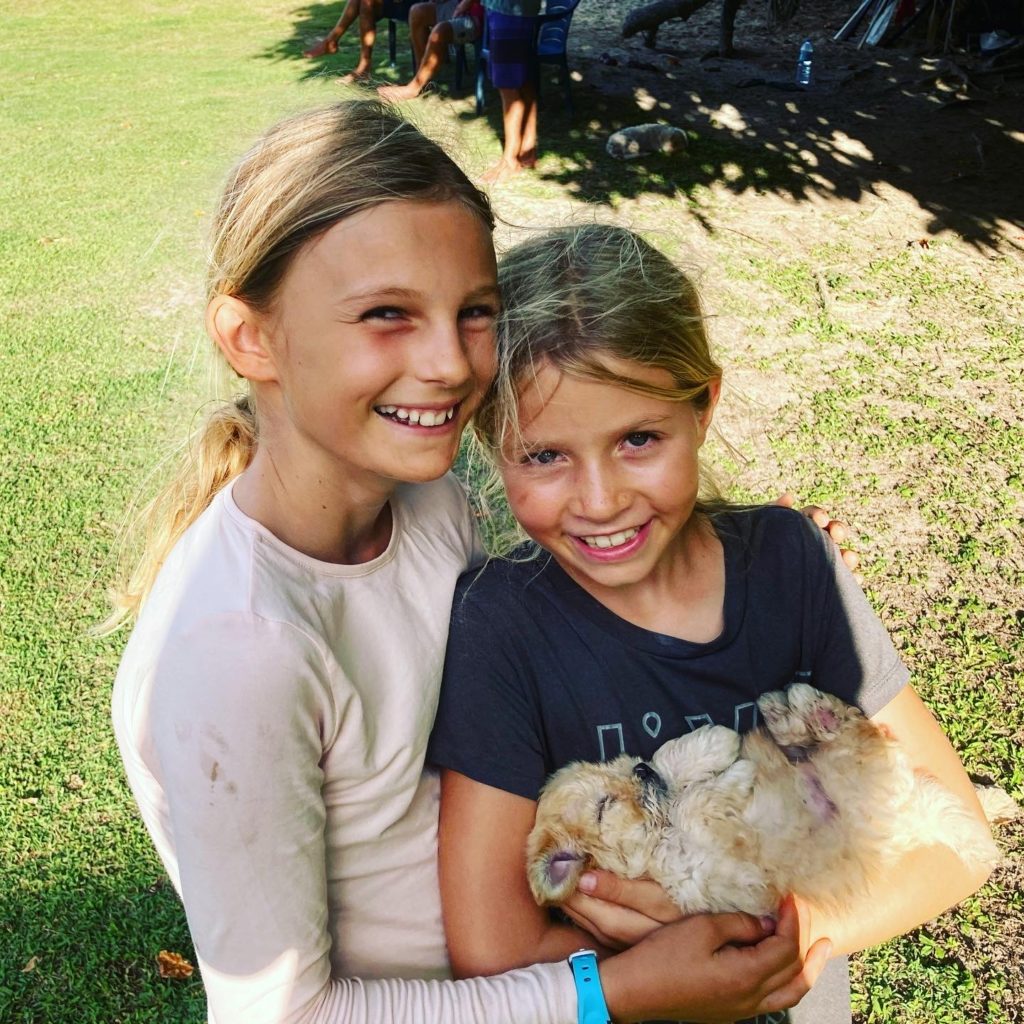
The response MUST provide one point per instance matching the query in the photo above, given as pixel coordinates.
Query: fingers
(739, 929)
(614, 925)
(794, 926)
(588, 925)
(642, 895)
(790, 991)
(837, 530)
(788, 975)
(851, 559)
(794, 919)
(819, 517)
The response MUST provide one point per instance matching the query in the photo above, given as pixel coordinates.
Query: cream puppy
(817, 802)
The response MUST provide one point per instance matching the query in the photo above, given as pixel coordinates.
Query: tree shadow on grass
(961, 166)
(312, 22)
(960, 157)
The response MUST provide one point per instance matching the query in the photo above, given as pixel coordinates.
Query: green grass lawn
(118, 121)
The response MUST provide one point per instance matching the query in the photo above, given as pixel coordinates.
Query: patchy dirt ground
(946, 131)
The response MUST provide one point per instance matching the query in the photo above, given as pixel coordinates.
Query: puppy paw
(786, 726)
(822, 714)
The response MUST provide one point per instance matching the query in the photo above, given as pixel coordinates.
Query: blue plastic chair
(553, 41)
(550, 47)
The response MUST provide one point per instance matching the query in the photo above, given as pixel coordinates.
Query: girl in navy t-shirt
(646, 612)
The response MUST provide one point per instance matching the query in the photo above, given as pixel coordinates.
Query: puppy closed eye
(601, 805)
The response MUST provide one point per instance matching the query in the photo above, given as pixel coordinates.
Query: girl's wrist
(614, 984)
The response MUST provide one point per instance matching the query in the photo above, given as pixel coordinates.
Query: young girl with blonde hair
(274, 701)
(646, 611)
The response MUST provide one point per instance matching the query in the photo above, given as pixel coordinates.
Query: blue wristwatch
(590, 1005)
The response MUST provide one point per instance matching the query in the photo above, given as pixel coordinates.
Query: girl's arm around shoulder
(926, 881)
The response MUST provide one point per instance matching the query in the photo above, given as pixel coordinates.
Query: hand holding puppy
(715, 967)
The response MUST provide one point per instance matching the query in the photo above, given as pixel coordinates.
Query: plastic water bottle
(805, 64)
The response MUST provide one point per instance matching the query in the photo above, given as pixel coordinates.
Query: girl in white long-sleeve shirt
(275, 698)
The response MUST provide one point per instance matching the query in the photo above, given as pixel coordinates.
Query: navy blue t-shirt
(538, 673)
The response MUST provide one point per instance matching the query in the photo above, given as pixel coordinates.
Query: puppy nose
(645, 773)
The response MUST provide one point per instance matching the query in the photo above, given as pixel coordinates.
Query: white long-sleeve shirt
(272, 713)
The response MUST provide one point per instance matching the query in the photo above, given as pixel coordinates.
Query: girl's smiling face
(382, 344)
(606, 478)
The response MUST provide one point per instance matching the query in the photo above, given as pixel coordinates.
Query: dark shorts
(511, 46)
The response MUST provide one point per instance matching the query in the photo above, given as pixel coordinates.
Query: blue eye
(640, 439)
(542, 457)
(383, 313)
(478, 313)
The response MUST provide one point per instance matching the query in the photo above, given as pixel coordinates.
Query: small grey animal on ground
(641, 139)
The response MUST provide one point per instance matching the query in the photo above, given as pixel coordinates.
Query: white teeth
(421, 417)
(610, 540)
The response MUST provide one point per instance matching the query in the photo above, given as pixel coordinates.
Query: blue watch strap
(590, 1005)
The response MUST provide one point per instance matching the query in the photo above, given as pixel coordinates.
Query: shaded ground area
(945, 131)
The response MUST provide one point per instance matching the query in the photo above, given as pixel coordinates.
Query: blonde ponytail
(218, 452)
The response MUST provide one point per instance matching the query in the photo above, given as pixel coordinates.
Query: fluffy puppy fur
(818, 802)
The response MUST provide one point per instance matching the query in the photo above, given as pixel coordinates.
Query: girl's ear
(239, 333)
(705, 416)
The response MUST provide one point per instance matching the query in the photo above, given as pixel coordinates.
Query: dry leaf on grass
(172, 965)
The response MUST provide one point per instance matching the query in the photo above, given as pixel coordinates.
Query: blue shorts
(512, 49)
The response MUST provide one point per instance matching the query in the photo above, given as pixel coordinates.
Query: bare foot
(528, 160)
(393, 93)
(322, 48)
(354, 77)
(501, 171)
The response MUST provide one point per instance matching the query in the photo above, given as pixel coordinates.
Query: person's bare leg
(369, 12)
(329, 44)
(422, 19)
(527, 155)
(513, 111)
(436, 50)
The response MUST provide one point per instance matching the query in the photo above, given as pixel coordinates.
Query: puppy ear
(553, 867)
